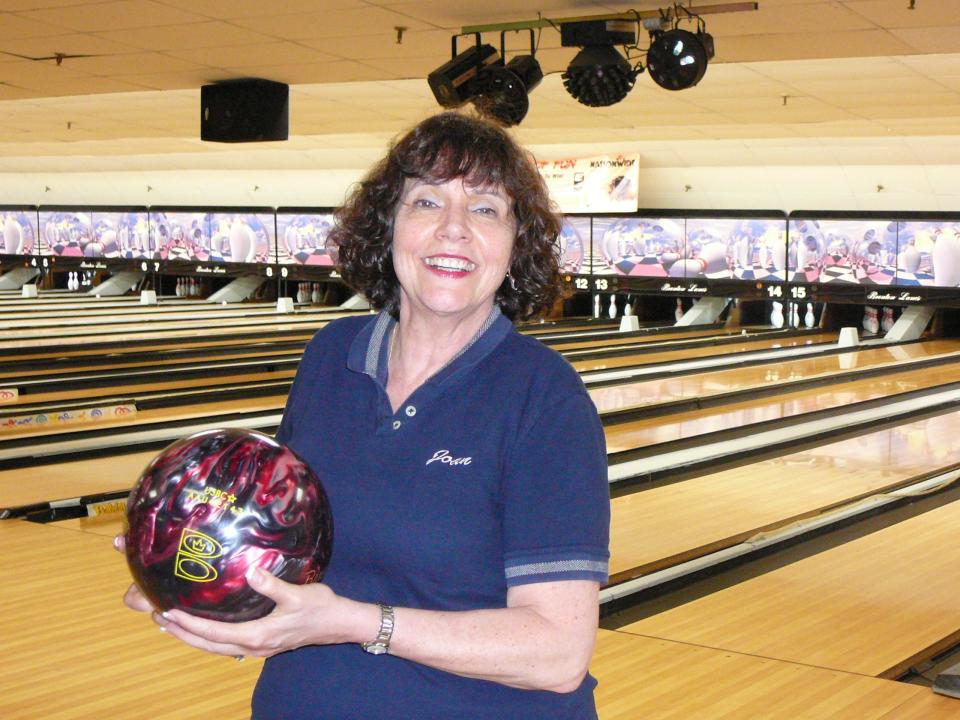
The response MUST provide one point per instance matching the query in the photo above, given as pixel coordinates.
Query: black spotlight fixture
(599, 75)
(478, 75)
(503, 90)
(458, 80)
(677, 59)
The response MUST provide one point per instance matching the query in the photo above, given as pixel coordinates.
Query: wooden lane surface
(662, 526)
(642, 678)
(749, 344)
(649, 431)
(653, 337)
(93, 328)
(71, 650)
(58, 481)
(75, 653)
(253, 351)
(164, 342)
(57, 484)
(644, 393)
(99, 309)
(101, 333)
(131, 388)
(873, 606)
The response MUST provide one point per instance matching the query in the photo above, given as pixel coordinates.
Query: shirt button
(396, 424)
(411, 411)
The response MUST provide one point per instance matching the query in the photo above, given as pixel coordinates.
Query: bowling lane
(662, 526)
(150, 383)
(86, 364)
(100, 332)
(80, 654)
(842, 392)
(119, 664)
(684, 682)
(664, 335)
(647, 393)
(749, 344)
(874, 606)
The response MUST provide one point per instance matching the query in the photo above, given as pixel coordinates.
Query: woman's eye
(486, 211)
(424, 202)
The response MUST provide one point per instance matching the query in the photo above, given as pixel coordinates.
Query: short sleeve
(556, 498)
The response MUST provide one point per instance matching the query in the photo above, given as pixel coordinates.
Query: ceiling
(795, 82)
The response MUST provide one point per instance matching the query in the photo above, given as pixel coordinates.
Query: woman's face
(451, 247)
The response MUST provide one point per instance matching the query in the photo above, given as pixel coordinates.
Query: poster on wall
(638, 246)
(19, 231)
(199, 235)
(95, 233)
(602, 183)
(302, 238)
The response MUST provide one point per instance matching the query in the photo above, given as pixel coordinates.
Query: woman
(464, 462)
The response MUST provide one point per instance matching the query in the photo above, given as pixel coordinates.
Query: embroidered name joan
(444, 456)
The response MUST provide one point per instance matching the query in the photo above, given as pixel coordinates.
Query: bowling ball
(212, 506)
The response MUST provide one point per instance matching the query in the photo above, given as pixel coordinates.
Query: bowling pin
(612, 310)
(795, 314)
(776, 316)
(678, 313)
(887, 321)
(178, 290)
(779, 252)
(809, 318)
(946, 260)
(909, 259)
(596, 305)
(802, 252)
(315, 297)
(627, 308)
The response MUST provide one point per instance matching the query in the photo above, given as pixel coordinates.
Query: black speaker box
(246, 110)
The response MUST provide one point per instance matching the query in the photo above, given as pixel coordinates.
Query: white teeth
(449, 263)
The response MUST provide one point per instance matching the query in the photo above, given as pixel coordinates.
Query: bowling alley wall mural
(302, 238)
(875, 251)
(85, 233)
(199, 235)
(692, 247)
(19, 232)
(828, 248)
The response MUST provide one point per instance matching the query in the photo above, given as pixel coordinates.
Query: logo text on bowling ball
(192, 557)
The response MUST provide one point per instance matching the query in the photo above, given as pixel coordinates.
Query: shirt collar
(368, 352)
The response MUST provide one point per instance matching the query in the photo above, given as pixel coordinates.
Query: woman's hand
(304, 615)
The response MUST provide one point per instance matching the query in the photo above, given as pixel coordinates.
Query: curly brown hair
(441, 148)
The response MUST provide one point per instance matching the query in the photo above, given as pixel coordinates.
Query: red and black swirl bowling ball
(210, 507)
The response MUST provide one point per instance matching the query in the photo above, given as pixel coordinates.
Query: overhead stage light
(478, 75)
(503, 90)
(677, 59)
(598, 75)
(456, 81)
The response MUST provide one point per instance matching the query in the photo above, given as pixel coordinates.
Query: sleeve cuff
(521, 571)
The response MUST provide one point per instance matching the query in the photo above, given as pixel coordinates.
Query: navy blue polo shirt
(492, 474)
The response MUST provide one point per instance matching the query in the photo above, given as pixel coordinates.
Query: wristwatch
(381, 644)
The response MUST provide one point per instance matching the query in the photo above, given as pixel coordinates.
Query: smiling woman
(483, 160)
(464, 462)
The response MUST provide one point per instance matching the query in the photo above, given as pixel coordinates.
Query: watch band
(381, 644)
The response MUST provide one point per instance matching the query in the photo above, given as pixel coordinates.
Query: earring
(513, 284)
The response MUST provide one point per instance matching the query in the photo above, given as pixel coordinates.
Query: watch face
(375, 649)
